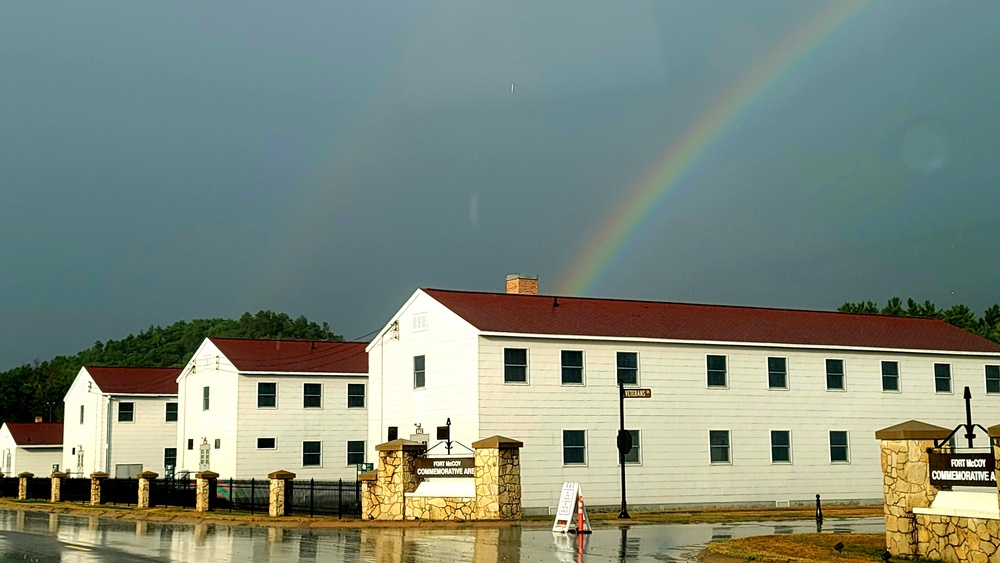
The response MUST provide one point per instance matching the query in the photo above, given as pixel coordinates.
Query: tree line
(987, 325)
(38, 389)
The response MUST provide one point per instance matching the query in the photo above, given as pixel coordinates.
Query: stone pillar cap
(99, 475)
(912, 430)
(59, 475)
(498, 442)
(281, 474)
(206, 475)
(994, 431)
(26, 475)
(368, 476)
(401, 445)
(148, 475)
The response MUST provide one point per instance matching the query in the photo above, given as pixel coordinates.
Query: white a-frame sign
(569, 510)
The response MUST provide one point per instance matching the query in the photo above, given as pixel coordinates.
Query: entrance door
(205, 462)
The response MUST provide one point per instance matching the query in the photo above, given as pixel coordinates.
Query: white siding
(449, 347)
(38, 461)
(675, 422)
(290, 424)
(142, 442)
(208, 368)
(88, 436)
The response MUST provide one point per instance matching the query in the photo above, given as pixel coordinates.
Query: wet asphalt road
(41, 537)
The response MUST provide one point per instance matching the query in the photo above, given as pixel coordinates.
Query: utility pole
(624, 443)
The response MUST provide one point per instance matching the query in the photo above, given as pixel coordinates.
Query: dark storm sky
(169, 161)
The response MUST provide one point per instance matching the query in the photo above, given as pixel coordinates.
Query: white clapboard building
(32, 447)
(121, 421)
(748, 405)
(251, 407)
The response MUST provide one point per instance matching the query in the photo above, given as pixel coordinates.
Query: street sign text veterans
(964, 470)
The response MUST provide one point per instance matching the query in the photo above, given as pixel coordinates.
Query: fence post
(340, 498)
(96, 480)
(253, 483)
(146, 481)
(22, 485)
(57, 478)
(206, 492)
(312, 495)
(279, 483)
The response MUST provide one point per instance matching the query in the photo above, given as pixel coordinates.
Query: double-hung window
(716, 367)
(204, 398)
(572, 367)
(355, 452)
(126, 412)
(267, 395)
(515, 365)
(312, 395)
(890, 376)
(574, 447)
(634, 456)
(840, 451)
(170, 414)
(628, 368)
(781, 446)
(355, 395)
(718, 445)
(942, 378)
(777, 373)
(81, 410)
(992, 379)
(835, 375)
(419, 372)
(169, 457)
(312, 454)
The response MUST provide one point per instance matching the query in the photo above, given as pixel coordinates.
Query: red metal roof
(135, 381)
(613, 318)
(277, 356)
(36, 433)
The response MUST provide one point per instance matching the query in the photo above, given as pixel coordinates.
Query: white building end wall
(674, 465)
(214, 426)
(84, 436)
(273, 438)
(449, 350)
(37, 460)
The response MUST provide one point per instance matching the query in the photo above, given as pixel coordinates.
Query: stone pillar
(397, 475)
(57, 478)
(498, 478)
(906, 480)
(279, 485)
(95, 487)
(994, 433)
(22, 485)
(206, 490)
(146, 479)
(370, 492)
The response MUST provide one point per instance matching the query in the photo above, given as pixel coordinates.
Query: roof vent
(525, 284)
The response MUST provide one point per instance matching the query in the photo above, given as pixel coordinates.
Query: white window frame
(166, 410)
(321, 392)
(274, 447)
(419, 322)
(423, 384)
(951, 379)
(767, 368)
(829, 440)
(118, 417)
(275, 383)
(583, 369)
(206, 398)
(364, 451)
(302, 450)
(843, 375)
(364, 396)
(729, 446)
(899, 377)
(81, 414)
(726, 372)
(770, 436)
(562, 449)
(986, 378)
(165, 465)
(638, 372)
(527, 366)
(636, 445)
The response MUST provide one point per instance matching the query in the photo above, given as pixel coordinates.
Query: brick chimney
(525, 284)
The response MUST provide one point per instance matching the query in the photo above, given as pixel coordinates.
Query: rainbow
(626, 224)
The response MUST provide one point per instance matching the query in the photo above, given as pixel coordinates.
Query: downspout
(107, 440)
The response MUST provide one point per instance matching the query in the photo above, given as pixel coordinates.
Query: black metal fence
(120, 491)
(39, 488)
(331, 498)
(75, 490)
(251, 495)
(181, 493)
(8, 487)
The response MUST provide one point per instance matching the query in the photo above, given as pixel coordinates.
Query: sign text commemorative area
(445, 467)
(969, 470)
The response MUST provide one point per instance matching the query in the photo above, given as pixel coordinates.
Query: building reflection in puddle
(413, 545)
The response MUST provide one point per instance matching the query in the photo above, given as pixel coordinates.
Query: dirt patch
(802, 548)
